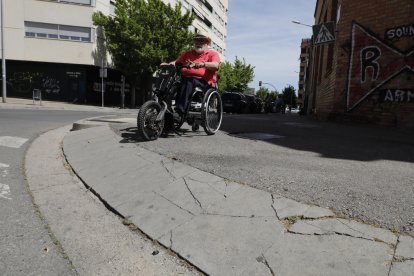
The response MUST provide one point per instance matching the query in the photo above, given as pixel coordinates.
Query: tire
(148, 128)
(212, 112)
(178, 124)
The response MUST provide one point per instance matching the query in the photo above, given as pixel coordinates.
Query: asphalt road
(359, 171)
(26, 248)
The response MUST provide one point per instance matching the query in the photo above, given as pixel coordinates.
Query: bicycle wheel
(212, 112)
(148, 127)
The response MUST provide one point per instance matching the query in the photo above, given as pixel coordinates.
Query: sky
(262, 32)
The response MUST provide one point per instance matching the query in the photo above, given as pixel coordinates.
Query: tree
(235, 77)
(264, 94)
(141, 35)
(289, 95)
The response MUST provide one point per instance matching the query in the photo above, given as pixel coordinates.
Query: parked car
(254, 104)
(233, 102)
(259, 105)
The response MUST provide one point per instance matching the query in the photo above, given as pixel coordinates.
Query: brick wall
(376, 88)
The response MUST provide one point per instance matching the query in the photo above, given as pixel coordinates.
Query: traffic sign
(323, 33)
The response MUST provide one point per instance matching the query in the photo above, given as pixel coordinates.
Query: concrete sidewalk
(227, 228)
(13, 103)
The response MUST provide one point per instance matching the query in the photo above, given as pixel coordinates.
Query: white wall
(19, 47)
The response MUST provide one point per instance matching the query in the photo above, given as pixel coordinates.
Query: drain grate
(257, 135)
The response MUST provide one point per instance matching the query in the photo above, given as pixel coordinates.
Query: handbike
(205, 106)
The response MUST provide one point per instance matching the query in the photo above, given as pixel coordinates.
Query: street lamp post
(299, 23)
(3, 58)
(268, 84)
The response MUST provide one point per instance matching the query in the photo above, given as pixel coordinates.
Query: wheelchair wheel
(212, 112)
(148, 127)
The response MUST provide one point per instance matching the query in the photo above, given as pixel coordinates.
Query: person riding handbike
(190, 81)
(202, 65)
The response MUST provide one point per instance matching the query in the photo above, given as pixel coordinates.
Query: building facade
(211, 17)
(367, 73)
(305, 49)
(52, 45)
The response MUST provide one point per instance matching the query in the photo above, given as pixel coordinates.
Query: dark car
(233, 102)
(254, 104)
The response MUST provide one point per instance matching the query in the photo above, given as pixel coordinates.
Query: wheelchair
(156, 115)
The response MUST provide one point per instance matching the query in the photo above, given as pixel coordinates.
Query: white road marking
(12, 142)
(5, 191)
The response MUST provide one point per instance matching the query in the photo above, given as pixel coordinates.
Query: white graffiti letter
(388, 96)
(399, 95)
(410, 96)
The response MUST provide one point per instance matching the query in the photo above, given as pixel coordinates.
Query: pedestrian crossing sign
(323, 33)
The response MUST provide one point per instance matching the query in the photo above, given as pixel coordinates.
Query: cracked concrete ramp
(223, 227)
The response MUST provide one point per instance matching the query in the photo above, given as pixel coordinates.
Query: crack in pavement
(273, 207)
(234, 216)
(168, 170)
(373, 238)
(393, 255)
(171, 238)
(173, 203)
(332, 233)
(194, 197)
(262, 259)
(208, 183)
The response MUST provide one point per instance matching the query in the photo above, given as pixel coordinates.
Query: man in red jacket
(204, 64)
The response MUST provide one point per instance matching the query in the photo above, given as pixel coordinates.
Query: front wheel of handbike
(148, 127)
(212, 112)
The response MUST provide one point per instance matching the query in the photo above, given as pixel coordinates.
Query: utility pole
(3, 57)
(103, 73)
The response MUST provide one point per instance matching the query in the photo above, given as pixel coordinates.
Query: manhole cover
(257, 135)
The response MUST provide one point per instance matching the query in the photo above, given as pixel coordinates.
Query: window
(85, 2)
(82, 2)
(41, 30)
(55, 31)
(75, 33)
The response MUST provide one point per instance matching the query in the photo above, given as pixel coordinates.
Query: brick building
(367, 73)
(305, 48)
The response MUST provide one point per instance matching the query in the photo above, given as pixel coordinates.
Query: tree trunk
(133, 97)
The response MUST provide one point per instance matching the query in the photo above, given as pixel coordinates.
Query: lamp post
(3, 58)
(299, 23)
(260, 84)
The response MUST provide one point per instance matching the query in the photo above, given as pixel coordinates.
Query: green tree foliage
(264, 94)
(289, 95)
(235, 76)
(142, 34)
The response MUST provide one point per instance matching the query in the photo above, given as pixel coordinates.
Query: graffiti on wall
(399, 32)
(373, 63)
(23, 82)
(51, 85)
(396, 95)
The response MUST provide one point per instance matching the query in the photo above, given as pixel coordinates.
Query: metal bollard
(37, 95)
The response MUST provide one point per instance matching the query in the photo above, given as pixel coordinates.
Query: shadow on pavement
(331, 140)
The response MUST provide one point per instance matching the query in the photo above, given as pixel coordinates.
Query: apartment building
(52, 45)
(367, 73)
(305, 51)
(210, 16)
